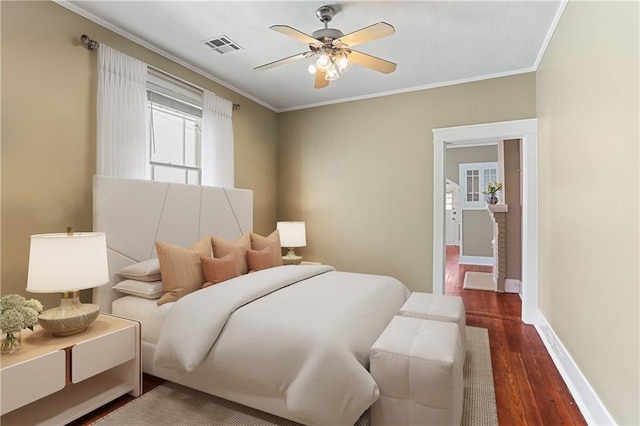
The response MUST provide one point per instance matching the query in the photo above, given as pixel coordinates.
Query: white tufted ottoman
(438, 308)
(417, 365)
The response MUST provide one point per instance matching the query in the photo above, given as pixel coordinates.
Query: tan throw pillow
(181, 269)
(218, 270)
(260, 259)
(222, 247)
(258, 242)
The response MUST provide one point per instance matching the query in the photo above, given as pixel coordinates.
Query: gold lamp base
(71, 317)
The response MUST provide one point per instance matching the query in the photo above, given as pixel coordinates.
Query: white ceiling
(436, 43)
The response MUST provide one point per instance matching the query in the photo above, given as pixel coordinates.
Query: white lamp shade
(292, 234)
(61, 262)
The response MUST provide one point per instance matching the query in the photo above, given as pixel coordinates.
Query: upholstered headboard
(135, 213)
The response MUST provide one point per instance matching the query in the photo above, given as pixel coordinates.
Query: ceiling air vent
(222, 45)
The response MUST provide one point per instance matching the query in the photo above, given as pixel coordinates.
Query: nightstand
(55, 380)
(304, 262)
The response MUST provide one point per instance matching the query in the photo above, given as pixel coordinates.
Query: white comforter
(300, 333)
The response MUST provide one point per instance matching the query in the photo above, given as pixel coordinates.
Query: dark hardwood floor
(529, 389)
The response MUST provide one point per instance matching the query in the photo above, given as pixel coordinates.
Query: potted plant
(492, 189)
(16, 314)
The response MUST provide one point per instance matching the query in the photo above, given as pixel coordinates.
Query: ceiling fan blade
(320, 81)
(372, 32)
(292, 32)
(283, 61)
(372, 62)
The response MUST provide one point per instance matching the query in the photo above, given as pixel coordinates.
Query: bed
(290, 340)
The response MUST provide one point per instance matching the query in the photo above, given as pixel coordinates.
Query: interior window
(474, 178)
(473, 185)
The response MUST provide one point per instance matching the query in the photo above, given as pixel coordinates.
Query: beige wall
(0, 154)
(477, 233)
(477, 228)
(587, 105)
(469, 154)
(361, 173)
(48, 131)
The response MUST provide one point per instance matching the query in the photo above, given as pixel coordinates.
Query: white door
(452, 199)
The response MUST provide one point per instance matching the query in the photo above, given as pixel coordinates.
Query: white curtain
(217, 141)
(121, 125)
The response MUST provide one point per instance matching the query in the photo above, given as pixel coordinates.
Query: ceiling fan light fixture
(323, 62)
(332, 49)
(332, 73)
(343, 63)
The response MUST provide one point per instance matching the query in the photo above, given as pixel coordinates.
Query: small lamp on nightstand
(67, 263)
(292, 234)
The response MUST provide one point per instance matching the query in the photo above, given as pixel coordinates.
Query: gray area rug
(173, 404)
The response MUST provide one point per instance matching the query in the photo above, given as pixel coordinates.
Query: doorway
(453, 223)
(526, 130)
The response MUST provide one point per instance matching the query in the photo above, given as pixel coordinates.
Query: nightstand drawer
(97, 355)
(26, 382)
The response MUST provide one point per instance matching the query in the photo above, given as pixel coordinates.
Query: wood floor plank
(532, 412)
(547, 397)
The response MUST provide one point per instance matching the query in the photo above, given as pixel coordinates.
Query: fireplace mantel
(498, 208)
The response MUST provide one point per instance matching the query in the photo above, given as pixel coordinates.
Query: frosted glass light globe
(323, 62)
(343, 63)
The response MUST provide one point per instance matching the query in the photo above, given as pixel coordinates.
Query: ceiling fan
(334, 49)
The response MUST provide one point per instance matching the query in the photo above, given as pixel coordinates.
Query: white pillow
(146, 289)
(147, 270)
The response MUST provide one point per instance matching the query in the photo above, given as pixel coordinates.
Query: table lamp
(292, 234)
(67, 263)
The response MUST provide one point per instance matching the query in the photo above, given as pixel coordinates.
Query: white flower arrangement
(16, 314)
(493, 187)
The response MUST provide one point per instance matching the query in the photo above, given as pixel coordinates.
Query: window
(472, 188)
(448, 202)
(474, 178)
(174, 114)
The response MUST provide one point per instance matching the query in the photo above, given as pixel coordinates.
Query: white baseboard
(476, 260)
(511, 286)
(592, 408)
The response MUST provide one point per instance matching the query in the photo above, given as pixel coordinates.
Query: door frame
(479, 134)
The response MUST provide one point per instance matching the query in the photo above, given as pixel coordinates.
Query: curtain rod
(93, 45)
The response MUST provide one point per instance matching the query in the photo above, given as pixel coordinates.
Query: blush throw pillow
(258, 242)
(218, 270)
(260, 259)
(181, 268)
(222, 247)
